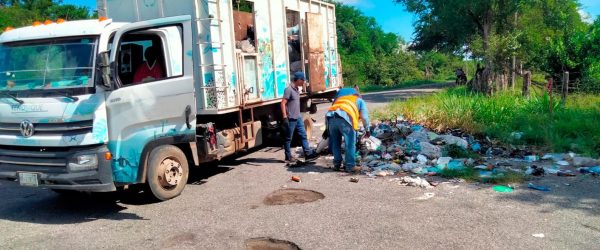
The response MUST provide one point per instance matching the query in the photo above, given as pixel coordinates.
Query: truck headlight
(83, 162)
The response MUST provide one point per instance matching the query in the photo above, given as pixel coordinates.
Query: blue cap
(346, 92)
(299, 76)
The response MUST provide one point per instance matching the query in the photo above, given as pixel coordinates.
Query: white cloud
(586, 16)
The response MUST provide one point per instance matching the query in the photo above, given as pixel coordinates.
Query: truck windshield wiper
(6, 94)
(67, 95)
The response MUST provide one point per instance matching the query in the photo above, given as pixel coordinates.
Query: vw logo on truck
(27, 129)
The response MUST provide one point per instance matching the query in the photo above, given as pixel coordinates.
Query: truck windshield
(54, 64)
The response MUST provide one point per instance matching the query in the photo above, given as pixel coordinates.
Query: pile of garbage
(402, 148)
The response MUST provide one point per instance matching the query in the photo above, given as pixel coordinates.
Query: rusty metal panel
(316, 62)
(314, 23)
(241, 21)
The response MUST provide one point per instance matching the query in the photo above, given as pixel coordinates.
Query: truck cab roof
(54, 30)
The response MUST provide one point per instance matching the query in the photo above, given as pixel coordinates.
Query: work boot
(337, 168)
(355, 170)
(311, 157)
(291, 161)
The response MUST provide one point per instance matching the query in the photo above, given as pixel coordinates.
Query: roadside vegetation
(510, 118)
(471, 174)
(377, 60)
(406, 84)
(18, 13)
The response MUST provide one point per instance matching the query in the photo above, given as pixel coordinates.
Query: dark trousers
(295, 125)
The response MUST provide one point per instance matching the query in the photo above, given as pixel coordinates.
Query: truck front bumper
(50, 165)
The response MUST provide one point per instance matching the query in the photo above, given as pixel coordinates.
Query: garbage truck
(153, 88)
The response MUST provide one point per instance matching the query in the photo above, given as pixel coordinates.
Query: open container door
(247, 58)
(316, 53)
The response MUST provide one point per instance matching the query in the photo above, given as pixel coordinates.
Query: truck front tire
(168, 172)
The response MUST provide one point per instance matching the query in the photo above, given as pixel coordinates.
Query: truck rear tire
(168, 172)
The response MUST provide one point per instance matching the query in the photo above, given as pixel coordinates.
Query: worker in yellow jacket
(343, 121)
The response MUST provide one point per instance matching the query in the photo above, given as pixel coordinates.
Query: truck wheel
(168, 172)
(308, 125)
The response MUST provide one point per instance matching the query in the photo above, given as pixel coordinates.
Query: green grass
(407, 84)
(571, 128)
(472, 175)
(458, 152)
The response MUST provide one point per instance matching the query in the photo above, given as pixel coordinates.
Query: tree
(369, 55)
(453, 25)
(17, 13)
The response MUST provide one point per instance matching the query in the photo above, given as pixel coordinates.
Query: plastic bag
(322, 146)
(371, 143)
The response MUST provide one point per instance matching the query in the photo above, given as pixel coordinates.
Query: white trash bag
(322, 146)
(371, 143)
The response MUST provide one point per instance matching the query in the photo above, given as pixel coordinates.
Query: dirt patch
(292, 196)
(270, 244)
(179, 239)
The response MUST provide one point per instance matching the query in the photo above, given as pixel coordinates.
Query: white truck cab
(155, 88)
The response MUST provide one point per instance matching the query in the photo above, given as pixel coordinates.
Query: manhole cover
(270, 244)
(292, 196)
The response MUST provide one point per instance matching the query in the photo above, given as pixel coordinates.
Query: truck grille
(37, 159)
(81, 127)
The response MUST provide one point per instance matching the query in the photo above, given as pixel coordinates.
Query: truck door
(316, 52)
(154, 102)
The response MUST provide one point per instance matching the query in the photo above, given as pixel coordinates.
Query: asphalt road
(223, 206)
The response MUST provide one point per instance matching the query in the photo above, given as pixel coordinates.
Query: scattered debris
(403, 149)
(296, 178)
(354, 179)
(502, 189)
(453, 140)
(415, 182)
(270, 243)
(535, 171)
(516, 135)
(538, 235)
(565, 174)
(584, 162)
(539, 188)
(532, 158)
(592, 170)
(425, 196)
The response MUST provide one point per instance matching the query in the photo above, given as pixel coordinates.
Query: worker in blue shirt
(343, 121)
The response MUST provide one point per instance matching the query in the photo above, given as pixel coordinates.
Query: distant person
(151, 69)
(292, 120)
(343, 121)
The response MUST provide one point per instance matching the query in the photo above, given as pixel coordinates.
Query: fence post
(526, 83)
(565, 88)
(550, 87)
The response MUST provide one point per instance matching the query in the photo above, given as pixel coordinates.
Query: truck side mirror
(105, 69)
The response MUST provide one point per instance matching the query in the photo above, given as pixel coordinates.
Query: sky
(393, 17)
